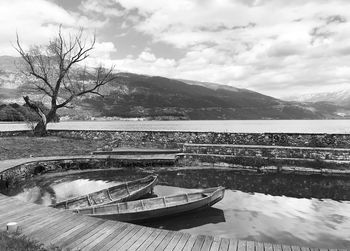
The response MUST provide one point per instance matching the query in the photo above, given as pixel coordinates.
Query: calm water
(241, 215)
(249, 126)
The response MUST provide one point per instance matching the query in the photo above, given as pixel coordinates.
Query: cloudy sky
(276, 47)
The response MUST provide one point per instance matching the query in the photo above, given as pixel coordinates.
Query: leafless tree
(55, 71)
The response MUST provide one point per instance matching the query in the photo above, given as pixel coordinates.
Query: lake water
(241, 215)
(248, 126)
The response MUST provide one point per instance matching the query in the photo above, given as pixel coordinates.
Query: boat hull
(163, 211)
(128, 191)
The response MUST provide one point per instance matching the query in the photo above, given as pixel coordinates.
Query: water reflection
(241, 215)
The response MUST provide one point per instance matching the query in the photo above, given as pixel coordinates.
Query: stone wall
(15, 133)
(171, 139)
(29, 169)
(248, 149)
(273, 152)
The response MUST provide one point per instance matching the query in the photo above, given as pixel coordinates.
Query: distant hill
(155, 97)
(152, 97)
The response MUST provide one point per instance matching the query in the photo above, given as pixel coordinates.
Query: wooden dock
(70, 231)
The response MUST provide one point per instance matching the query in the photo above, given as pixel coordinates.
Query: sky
(276, 47)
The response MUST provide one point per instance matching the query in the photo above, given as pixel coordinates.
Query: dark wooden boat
(131, 190)
(146, 209)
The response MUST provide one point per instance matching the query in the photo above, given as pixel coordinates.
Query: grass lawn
(19, 242)
(24, 147)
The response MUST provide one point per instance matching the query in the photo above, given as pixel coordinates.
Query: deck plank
(57, 230)
(296, 248)
(126, 238)
(53, 228)
(32, 223)
(157, 241)
(250, 246)
(225, 244)
(149, 240)
(66, 234)
(173, 242)
(96, 234)
(268, 247)
(242, 245)
(80, 241)
(277, 247)
(216, 244)
(142, 239)
(198, 243)
(40, 227)
(105, 233)
(118, 235)
(190, 243)
(259, 246)
(116, 231)
(182, 242)
(133, 239)
(165, 241)
(286, 248)
(78, 234)
(207, 243)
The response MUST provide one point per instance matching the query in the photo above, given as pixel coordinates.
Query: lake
(243, 126)
(268, 215)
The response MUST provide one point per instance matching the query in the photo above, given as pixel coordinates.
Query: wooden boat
(131, 190)
(146, 209)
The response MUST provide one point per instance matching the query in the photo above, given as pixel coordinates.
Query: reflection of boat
(210, 215)
(156, 207)
(131, 190)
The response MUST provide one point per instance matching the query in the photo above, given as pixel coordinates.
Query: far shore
(239, 126)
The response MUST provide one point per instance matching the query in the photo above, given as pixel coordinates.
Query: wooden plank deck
(78, 232)
(70, 231)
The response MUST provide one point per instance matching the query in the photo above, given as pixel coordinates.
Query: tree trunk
(40, 129)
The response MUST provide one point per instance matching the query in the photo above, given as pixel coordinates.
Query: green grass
(16, 241)
(24, 147)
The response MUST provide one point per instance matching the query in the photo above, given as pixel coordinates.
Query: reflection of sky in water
(240, 215)
(63, 190)
(276, 219)
(79, 187)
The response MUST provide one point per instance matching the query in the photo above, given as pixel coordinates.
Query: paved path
(70, 231)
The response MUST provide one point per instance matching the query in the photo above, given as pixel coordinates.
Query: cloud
(103, 50)
(272, 46)
(106, 8)
(37, 21)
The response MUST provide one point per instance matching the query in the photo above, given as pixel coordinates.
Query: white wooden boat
(131, 190)
(146, 209)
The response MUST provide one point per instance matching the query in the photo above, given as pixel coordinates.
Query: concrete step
(193, 159)
(137, 151)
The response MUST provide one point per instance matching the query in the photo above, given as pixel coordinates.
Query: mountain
(153, 97)
(158, 97)
(338, 97)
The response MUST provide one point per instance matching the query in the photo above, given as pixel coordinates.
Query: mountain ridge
(156, 97)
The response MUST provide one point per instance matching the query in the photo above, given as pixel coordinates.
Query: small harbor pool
(308, 211)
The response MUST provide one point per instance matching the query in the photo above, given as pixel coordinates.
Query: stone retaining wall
(32, 168)
(175, 139)
(272, 152)
(172, 139)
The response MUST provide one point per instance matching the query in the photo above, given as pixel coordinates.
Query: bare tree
(54, 70)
